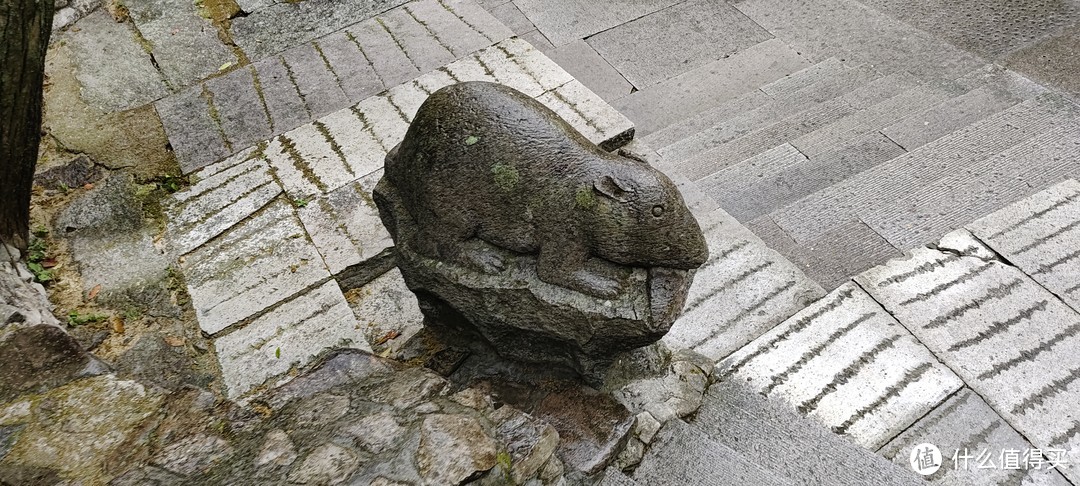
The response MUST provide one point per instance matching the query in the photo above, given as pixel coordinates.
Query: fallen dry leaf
(174, 341)
(93, 292)
(388, 336)
(117, 324)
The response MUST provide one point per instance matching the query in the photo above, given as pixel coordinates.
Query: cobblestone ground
(887, 188)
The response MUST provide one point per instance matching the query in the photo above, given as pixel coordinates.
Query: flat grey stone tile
(280, 94)
(869, 120)
(386, 311)
(1010, 339)
(763, 429)
(460, 36)
(793, 127)
(1041, 235)
(809, 217)
(195, 136)
(537, 39)
(1059, 73)
(479, 19)
(565, 21)
(221, 196)
(316, 83)
(264, 260)
(966, 426)
(275, 28)
(710, 85)
(984, 186)
(345, 224)
(845, 362)
(819, 29)
(511, 16)
(742, 291)
(351, 68)
(424, 49)
(752, 111)
(114, 70)
(798, 81)
(244, 119)
(286, 338)
(780, 176)
(580, 60)
(671, 41)
(991, 28)
(185, 45)
(683, 452)
(388, 59)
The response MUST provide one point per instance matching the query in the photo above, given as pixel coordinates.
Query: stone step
(1011, 340)
(317, 162)
(846, 363)
(1040, 235)
(858, 34)
(989, 90)
(769, 433)
(708, 86)
(762, 184)
(840, 203)
(742, 291)
(869, 120)
(222, 115)
(918, 217)
(834, 257)
(751, 112)
(969, 433)
(794, 126)
(683, 454)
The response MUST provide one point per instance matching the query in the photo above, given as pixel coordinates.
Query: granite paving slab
(710, 85)
(1011, 340)
(688, 456)
(386, 312)
(115, 72)
(819, 29)
(185, 45)
(845, 362)
(743, 290)
(793, 127)
(320, 74)
(587, 66)
(1040, 235)
(977, 446)
(753, 111)
(287, 337)
(671, 41)
(256, 264)
(565, 21)
(273, 28)
(344, 224)
(324, 155)
(764, 430)
(840, 203)
(917, 218)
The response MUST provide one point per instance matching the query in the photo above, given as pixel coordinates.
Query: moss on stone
(506, 176)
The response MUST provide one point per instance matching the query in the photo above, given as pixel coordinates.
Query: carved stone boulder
(520, 236)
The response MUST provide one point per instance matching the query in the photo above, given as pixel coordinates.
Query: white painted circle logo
(925, 459)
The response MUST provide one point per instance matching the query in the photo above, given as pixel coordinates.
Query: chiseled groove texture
(794, 126)
(318, 77)
(846, 363)
(1009, 338)
(1041, 234)
(892, 181)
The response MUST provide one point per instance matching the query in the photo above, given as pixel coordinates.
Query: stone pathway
(815, 141)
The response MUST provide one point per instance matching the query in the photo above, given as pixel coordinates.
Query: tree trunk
(25, 26)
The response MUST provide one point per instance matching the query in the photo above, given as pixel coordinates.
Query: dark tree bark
(25, 26)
